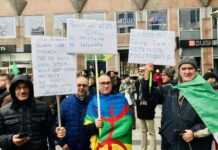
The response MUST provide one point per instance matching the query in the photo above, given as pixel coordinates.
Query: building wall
(49, 8)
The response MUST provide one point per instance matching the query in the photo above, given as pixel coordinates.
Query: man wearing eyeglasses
(73, 109)
(113, 130)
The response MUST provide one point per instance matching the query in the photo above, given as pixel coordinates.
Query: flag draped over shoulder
(204, 100)
(116, 133)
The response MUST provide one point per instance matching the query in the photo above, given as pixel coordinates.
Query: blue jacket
(73, 111)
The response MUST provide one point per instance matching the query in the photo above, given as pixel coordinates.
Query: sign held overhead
(91, 37)
(156, 47)
(54, 71)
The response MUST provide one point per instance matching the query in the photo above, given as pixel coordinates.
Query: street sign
(200, 43)
(5, 49)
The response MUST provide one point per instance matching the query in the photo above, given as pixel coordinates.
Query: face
(82, 86)
(187, 72)
(165, 78)
(105, 85)
(3, 82)
(112, 74)
(22, 91)
(141, 72)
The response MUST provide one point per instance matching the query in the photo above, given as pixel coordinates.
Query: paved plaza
(137, 133)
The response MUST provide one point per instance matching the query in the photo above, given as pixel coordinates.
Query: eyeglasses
(84, 85)
(105, 83)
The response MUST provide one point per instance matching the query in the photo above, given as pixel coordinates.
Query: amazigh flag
(116, 133)
(204, 99)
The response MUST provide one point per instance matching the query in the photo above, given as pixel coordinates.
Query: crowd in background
(141, 93)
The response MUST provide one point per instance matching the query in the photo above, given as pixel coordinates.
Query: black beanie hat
(188, 60)
(169, 71)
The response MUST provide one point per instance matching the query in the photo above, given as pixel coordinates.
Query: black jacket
(31, 117)
(146, 99)
(175, 119)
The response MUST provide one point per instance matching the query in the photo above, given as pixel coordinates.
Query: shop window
(157, 20)
(125, 21)
(90, 65)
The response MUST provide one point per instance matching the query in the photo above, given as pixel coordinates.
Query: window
(189, 23)
(157, 20)
(60, 24)
(125, 21)
(34, 25)
(189, 19)
(7, 27)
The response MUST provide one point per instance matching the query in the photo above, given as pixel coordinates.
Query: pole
(59, 110)
(97, 86)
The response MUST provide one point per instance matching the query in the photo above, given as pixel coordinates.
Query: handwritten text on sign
(90, 36)
(156, 47)
(54, 72)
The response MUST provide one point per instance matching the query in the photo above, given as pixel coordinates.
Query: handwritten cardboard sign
(91, 36)
(156, 47)
(54, 71)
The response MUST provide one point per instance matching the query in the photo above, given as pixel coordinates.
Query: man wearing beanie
(167, 75)
(180, 122)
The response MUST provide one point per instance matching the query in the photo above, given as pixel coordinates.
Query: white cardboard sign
(91, 36)
(54, 71)
(156, 47)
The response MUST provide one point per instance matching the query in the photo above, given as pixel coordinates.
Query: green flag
(204, 100)
(14, 69)
(104, 57)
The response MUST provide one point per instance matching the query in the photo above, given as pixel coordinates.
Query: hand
(98, 123)
(188, 136)
(61, 132)
(18, 141)
(149, 67)
(65, 147)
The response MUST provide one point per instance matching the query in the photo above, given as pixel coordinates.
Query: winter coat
(31, 117)
(175, 119)
(146, 100)
(73, 111)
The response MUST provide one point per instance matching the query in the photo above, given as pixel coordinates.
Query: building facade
(190, 19)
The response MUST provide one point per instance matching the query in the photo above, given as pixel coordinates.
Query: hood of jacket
(17, 80)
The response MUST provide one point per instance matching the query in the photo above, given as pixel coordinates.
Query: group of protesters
(30, 123)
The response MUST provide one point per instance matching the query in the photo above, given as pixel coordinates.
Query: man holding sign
(73, 109)
(113, 130)
(188, 108)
